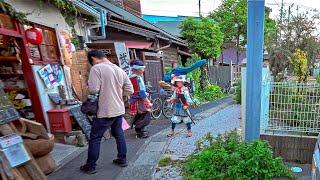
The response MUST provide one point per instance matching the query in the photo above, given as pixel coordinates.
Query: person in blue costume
(183, 70)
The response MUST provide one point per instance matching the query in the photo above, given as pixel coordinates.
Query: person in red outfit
(140, 105)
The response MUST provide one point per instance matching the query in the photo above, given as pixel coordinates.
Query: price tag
(13, 150)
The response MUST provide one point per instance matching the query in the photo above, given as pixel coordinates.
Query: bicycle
(229, 88)
(167, 106)
(156, 108)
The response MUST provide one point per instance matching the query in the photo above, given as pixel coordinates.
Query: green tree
(300, 65)
(205, 38)
(294, 32)
(231, 15)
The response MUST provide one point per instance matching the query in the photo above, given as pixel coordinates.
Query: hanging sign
(13, 151)
(34, 36)
(123, 56)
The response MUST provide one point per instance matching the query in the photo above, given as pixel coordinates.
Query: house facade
(144, 40)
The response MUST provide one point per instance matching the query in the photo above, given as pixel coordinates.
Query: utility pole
(255, 33)
(281, 11)
(281, 19)
(289, 13)
(199, 8)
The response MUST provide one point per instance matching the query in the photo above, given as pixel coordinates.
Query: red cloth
(137, 104)
(179, 91)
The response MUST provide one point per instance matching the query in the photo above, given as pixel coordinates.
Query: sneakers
(121, 163)
(142, 134)
(118, 162)
(87, 170)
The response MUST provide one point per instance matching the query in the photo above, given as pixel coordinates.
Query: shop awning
(138, 45)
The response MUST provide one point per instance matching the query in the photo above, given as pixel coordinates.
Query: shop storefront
(16, 74)
(31, 70)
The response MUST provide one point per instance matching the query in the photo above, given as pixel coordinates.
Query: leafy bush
(227, 157)
(237, 95)
(211, 92)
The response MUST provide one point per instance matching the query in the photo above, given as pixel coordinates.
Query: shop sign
(123, 56)
(34, 36)
(13, 151)
(107, 52)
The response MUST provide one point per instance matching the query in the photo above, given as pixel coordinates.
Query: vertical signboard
(123, 56)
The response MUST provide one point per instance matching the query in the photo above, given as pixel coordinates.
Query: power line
(199, 8)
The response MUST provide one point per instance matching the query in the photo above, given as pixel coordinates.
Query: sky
(190, 7)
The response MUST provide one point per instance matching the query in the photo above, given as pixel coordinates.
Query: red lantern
(34, 36)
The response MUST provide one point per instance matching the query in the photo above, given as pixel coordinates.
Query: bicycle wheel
(167, 109)
(156, 109)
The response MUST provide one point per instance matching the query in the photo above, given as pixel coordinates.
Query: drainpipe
(103, 24)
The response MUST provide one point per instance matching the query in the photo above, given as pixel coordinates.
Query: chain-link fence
(294, 107)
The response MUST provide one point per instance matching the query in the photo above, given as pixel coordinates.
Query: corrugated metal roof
(127, 16)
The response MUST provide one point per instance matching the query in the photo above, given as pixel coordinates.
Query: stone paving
(146, 160)
(180, 146)
(143, 154)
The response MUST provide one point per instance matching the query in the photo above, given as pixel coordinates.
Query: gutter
(85, 7)
(173, 41)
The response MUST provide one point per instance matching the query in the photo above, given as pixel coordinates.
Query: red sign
(34, 36)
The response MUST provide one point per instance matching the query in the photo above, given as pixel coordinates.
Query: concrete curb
(69, 158)
(145, 162)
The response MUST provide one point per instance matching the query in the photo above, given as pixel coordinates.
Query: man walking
(111, 83)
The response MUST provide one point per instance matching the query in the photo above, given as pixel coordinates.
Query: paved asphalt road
(106, 170)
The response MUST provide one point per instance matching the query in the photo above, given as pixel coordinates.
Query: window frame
(44, 60)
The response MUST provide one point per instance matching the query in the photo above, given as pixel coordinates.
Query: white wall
(43, 94)
(44, 14)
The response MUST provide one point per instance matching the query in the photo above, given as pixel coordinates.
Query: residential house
(146, 41)
(168, 23)
(132, 6)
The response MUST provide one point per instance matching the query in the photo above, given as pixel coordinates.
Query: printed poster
(51, 75)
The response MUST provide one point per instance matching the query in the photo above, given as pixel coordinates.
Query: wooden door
(153, 73)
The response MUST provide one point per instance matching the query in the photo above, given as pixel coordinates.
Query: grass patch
(166, 161)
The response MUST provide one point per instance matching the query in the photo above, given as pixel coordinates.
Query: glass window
(48, 50)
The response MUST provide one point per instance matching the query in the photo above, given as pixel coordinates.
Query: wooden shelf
(8, 58)
(15, 89)
(11, 74)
